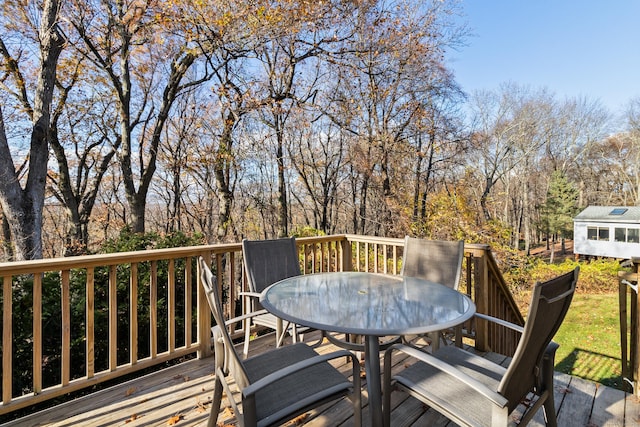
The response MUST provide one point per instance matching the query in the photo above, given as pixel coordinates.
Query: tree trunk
(221, 171)
(364, 190)
(78, 200)
(417, 179)
(175, 219)
(526, 212)
(137, 206)
(484, 197)
(427, 175)
(6, 238)
(23, 208)
(283, 219)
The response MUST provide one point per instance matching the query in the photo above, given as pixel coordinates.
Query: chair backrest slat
(549, 304)
(434, 260)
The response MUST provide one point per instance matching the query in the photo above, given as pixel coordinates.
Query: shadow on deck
(181, 396)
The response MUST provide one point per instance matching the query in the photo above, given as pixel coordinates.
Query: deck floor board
(183, 394)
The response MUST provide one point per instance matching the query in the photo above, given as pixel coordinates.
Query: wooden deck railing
(170, 319)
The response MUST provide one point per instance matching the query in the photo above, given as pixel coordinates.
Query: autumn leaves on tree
(261, 119)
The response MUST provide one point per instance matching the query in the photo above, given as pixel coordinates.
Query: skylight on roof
(618, 211)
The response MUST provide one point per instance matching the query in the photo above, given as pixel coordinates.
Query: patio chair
(277, 385)
(438, 261)
(473, 391)
(267, 262)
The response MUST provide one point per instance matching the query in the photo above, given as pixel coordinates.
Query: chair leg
(549, 409)
(458, 336)
(247, 337)
(387, 388)
(215, 403)
(548, 363)
(296, 337)
(281, 332)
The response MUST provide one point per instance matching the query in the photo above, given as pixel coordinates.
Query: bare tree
(83, 145)
(23, 200)
(319, 157)
(135, 48)
(510, 128)
(393, 76)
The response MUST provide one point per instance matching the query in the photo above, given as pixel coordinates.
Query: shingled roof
(626, 214)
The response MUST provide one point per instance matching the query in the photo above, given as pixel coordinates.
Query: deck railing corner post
(481, 284)
(347, 260)
(204, 317)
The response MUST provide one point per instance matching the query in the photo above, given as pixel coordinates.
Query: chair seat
(450, 394)
(316, 383)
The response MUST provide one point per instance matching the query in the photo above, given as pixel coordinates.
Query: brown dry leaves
(131, 418)
(174, 420)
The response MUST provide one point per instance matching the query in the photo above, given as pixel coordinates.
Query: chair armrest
(448, 369)
(245, 317)
(500, 322)
(253, 388)
(545, 376)
(249, 294)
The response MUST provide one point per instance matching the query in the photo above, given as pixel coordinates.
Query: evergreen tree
(559, 208)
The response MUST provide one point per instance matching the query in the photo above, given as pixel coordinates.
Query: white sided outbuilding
(607, 231)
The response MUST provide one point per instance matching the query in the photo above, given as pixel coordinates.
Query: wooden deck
(181, 396)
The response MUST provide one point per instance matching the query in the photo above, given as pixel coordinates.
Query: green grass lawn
(589, 340)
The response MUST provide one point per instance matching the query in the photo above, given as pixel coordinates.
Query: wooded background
(231, 119)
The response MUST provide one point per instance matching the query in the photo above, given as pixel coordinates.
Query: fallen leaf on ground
(299, 420)
(174, 420)
(200, 407)
(130, 391)
(131, 418)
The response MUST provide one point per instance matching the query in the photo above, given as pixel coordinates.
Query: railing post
(629, 336)
(204, 316)
(7, 339)
(347, 263)
(481, 285)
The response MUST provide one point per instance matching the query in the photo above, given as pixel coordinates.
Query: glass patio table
(368, 304)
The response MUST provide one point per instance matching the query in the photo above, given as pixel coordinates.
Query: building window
(598, 233)
(628, 235)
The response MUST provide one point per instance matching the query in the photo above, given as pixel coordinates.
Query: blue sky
(573, 48)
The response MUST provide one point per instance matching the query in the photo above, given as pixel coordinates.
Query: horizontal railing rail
(71, 323)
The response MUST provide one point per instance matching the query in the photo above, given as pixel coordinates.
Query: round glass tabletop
(367, 303)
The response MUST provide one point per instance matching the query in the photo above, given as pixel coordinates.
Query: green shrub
(22, 321)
